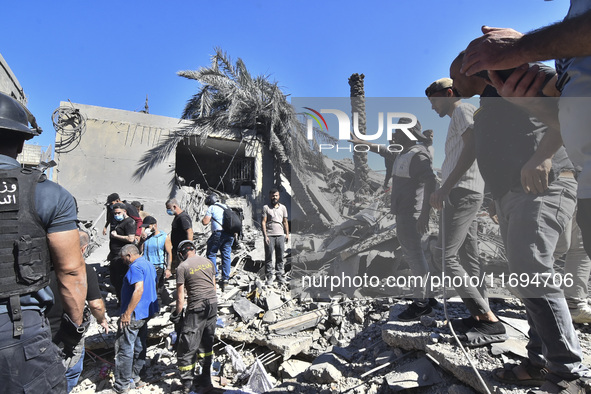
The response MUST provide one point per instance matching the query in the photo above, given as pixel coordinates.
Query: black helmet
(211, 199)
(14, 117)
(183, 247)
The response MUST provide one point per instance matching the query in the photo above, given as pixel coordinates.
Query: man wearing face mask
(122, 233)
(156, 247)
(131, 210)
(182, 227)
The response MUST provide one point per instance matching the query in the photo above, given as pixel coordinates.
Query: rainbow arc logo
(316, 118)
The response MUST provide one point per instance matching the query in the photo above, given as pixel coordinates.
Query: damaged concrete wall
(105, 155)
(9, 84)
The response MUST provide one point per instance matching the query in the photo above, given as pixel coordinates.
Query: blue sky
(112, 54)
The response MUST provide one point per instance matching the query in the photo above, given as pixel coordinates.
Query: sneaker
(414, 312)
(581, 314)
(223, 285)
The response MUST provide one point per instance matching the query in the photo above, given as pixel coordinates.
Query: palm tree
(358, 106)
(230, 98)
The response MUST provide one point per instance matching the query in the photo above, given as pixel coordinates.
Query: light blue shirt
(216, 212)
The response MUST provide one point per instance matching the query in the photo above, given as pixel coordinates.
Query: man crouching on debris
(412, 178)
(196, 275)
(138, 304)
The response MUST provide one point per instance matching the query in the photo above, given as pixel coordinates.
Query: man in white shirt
(462, 191)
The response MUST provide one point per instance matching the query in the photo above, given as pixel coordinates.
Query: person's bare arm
(136, 296)
(423, 220)
(502, 48)
(189, 234)
(264, 228)
(180, 301)
(70, 270)
(97, 308)
(534, 173)
(206, 219)
(465, 161)
(286, 229)
(125, 238)
(168, 250)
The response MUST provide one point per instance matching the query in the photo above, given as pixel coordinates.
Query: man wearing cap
(37, 220)
(131, 210)
(140, 209)
(122, 234)
(156, 247)
(463, 190)
(138, 304)
(196, 277)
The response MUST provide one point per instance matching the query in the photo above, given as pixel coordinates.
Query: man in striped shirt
(462, 190)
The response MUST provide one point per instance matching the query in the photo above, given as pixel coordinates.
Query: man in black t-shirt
(526, 168)
(182, 228)
(96, 304)
(132, 212)
(122, 234)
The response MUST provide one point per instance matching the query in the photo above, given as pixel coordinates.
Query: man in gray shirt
(276, 233)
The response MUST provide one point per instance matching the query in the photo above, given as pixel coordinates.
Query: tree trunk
(358, 106)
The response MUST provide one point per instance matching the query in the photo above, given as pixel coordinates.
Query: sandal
(484, 333)
(463, 325)
(511, 376)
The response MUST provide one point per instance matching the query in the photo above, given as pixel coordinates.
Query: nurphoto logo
(386, 123)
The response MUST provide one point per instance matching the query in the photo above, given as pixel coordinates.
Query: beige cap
(440, 84)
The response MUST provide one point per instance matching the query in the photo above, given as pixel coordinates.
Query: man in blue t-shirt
(156, 247)
(138, 304)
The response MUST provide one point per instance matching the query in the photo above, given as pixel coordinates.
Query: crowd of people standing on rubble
(533, 156)
(142, 257)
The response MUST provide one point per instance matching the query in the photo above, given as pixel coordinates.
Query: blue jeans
(461, 246)
(530, 226)
(130, 352)
(410, 242)
(73, 372)
(31, 362)
(221, 241)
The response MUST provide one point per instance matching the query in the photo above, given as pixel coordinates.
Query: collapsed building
(278, 339)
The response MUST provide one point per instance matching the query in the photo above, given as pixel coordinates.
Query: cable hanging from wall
(70, 125)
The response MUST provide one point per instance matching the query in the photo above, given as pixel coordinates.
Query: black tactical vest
(24, 253)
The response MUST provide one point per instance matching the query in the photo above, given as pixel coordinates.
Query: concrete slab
(419, 373)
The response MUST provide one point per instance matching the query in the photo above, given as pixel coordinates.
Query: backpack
(231, 222)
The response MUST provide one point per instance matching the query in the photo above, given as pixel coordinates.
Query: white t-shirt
(461, 120)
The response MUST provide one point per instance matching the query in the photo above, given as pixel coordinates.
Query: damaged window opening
(222, 162)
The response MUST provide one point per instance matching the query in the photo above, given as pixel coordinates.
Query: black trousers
(30, 363)
(117, 271)
(196, 340)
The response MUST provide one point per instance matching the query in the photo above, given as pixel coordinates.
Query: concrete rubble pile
(279, 339)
